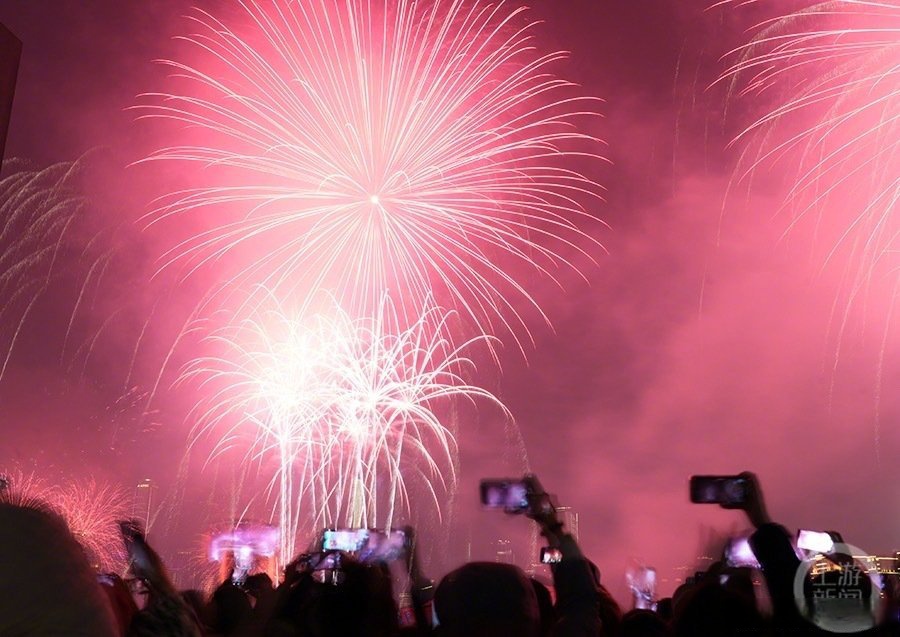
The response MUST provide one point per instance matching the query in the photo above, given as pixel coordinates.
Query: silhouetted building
(10, 53)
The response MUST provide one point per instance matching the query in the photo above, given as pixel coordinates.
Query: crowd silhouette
(49, 588)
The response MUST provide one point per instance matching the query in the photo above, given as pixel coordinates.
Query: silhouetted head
(643, 623)
(230, 608)
(47, 586)
(360, 605)
(709, 609)
(484, 598)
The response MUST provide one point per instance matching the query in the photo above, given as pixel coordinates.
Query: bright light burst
(426, 149)
(833, 69)
(346, 408)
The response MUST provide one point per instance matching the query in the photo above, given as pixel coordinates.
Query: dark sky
(703, 341)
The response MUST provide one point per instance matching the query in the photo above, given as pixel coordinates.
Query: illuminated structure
(142, 507)
(569, 517)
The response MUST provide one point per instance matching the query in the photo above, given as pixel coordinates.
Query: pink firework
(829, 73)
(425, 147)
(24, 489)
(92, 509)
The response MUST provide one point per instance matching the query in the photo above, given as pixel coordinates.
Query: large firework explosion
(426, 148)
(829, 75)
(346, 410)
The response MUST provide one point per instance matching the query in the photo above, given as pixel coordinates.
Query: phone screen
(814, 541)
(550, 555)
(383, 547)
(348, 540)
(510, 495)
(740, 554)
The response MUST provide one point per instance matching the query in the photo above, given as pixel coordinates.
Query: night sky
(705, 339)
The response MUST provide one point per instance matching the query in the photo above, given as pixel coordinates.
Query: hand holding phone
(518, 496)
(145, 564)
(740, 491)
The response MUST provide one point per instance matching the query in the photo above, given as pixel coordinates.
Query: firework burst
(23, 489)
(424, 148)
(347, 409)
(92, 510)
(833, 70)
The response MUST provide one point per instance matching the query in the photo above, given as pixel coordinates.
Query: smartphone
(327, 562)
(509, 495)
(550, 555)
(347, 540)
(815, 541)
(739, 554)
(383, 547)
(729, 490)
(327, 568)
(136, 546)
(642, 582)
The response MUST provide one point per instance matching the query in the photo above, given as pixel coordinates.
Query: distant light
(374, 200)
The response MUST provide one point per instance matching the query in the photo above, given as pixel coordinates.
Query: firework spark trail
(347, 408)
(425, 149)
(37, 207)
(838, 64)
(834, 69)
